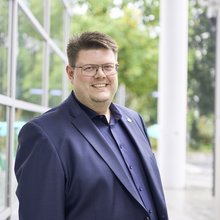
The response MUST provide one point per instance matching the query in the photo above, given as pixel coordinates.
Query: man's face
(97, 90)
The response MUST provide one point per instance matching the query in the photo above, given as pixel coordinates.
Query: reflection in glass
(3, 155)
(55, 80)
(3, 46)
(56, 21)
(37, 8)
(29, 63)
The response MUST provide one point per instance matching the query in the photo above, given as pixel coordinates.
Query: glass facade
(29, 61)
(57, 11)
(36, 8)
(32, 77)
(3, 156)
(3, 46)
(55, 77)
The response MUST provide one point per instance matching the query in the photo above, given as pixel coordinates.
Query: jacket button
(146, 218)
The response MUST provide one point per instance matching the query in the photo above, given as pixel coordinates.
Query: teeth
(99, 85)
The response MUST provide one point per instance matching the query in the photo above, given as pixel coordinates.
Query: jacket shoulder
(126, 110)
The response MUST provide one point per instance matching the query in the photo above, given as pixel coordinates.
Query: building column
(172, 87)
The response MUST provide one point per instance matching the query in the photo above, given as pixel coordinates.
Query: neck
(102, 108)
(103, 111)
(107, 115)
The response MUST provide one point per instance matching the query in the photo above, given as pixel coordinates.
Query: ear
(70, 72)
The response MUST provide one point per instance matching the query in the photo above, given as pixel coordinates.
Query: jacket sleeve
(40, 176)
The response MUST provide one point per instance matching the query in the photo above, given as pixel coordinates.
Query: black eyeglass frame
(95, 68)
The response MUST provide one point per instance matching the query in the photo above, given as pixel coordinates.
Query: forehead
(96, 56)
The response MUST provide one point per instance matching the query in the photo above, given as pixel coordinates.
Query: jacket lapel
(148, 160)
(83, 123)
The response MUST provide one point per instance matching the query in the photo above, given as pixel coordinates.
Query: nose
(100, 72)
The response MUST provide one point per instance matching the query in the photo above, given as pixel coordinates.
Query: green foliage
(133, 24)
(56, 23)
(138, 54)
(3, 46)
(30, 52)
(138, 58)
(29, 61)
(201, 76)
(201, 68)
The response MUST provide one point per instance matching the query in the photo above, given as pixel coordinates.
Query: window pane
(3, 155)
(3, 46)
(55, 80)
(29, 63)
(56, 21)
(37, 8)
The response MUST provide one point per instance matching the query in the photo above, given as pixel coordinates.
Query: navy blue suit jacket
(66, 170)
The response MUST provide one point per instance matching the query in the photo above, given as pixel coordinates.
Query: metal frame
(9, 100)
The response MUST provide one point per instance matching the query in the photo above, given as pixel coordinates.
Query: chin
(101, 99)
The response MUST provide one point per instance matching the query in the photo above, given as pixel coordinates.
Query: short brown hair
(89, 40)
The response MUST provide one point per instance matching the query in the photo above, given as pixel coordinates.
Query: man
(88, 159)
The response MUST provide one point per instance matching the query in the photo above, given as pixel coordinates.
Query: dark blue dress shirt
(125, 150)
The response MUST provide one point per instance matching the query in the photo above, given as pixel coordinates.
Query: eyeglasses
(91, 69)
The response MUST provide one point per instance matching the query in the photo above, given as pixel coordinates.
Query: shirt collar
(115, 114)
(86, 109)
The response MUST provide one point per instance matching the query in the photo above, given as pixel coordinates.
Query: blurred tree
(134, 25)
(3, 46)
(201, 76)
(29, 61)
(30, 55)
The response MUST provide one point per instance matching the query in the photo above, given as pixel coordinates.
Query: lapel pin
(129, 120)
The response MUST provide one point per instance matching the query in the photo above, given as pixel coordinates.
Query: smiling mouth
(100, 85)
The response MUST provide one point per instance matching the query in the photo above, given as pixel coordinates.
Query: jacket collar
(84, 125)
